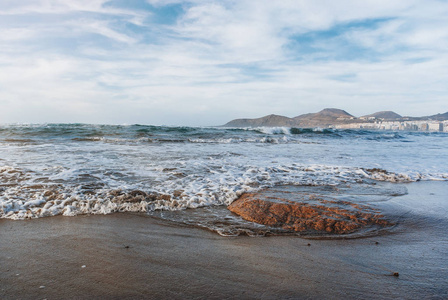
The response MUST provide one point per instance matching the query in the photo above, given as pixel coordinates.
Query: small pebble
(309, 245)
(83, 266)
(396, 274)
(376, 243)
(42, 287)
(127, 247)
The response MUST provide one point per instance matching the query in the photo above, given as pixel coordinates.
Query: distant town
(441, 126)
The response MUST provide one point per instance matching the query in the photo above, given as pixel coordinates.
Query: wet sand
(128, 256)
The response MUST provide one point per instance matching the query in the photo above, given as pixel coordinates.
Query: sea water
(72, 169)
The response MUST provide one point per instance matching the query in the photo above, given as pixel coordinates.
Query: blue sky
(205, 62)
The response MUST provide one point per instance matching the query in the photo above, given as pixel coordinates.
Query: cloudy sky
(204, 62)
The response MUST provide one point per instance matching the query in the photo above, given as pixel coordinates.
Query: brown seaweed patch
(134, 196)
(376, 170)
(321, 215)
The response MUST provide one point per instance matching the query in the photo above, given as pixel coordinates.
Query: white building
(435, 126)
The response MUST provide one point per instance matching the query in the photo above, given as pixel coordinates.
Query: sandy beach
(193, 149)
(134, 256)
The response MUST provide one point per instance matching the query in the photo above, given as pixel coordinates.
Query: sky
(200, 63)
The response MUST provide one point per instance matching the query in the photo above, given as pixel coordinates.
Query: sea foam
(72, 169)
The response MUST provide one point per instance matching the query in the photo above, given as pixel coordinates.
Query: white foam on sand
(23, 196)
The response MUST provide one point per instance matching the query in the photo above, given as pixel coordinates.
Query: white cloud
(15, 34)
(220, 60)
(28, 7)
(103, 28)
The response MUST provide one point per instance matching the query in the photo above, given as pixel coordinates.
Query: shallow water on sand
(131, 256)
(416, 249)
(356, 198)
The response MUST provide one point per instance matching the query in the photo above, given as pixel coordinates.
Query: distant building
(397, 125)
(435, 126)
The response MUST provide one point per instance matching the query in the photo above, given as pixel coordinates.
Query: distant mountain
(385, 115)
(438, 117)
(325, 117)
(268, 121)
(333, 113)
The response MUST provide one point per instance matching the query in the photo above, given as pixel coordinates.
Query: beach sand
(132, 256)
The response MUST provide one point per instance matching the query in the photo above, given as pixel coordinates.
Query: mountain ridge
(324, 118)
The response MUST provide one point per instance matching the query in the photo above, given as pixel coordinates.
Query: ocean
(190, 174)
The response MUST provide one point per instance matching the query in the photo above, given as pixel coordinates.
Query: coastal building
(397, 125)
(423, 127)
(435, 126)
(367, 118)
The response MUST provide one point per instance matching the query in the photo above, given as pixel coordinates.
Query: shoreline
(133, 256)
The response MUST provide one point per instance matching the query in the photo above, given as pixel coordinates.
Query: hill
(438, 117)
(325, 117)
(384, 115)
(268, 121)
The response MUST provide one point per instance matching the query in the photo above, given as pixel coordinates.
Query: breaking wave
(69, 192)
(71, 169)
